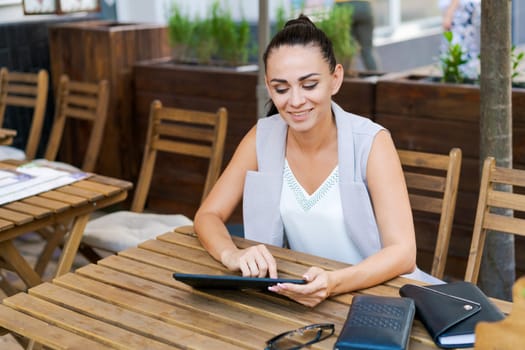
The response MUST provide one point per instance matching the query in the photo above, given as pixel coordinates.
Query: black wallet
(451, 311)
(377, 322)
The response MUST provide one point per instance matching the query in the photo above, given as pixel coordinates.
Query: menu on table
(34, 178)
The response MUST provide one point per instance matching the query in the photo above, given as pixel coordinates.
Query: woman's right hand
(256, 261)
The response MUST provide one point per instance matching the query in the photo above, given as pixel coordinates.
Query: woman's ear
(337, 76)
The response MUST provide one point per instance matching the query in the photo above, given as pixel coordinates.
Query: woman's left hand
(318, 287)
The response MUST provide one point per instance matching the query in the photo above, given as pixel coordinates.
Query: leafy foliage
(516, 60)
(452, 60)
(336, 25)
(215, 38)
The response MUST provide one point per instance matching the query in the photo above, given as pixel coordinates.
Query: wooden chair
(494, 205)
(26, 90)
(75, 100)
(83, 101)
(432, 182)
(173, 130)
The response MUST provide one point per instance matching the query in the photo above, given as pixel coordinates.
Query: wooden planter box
(208, 88)
(434, 117)
(96, 50)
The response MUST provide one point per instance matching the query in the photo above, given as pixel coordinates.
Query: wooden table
(7, 136)
(72, 203)
(131, 301)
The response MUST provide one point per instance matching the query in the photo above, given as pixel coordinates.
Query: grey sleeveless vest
(262, 188)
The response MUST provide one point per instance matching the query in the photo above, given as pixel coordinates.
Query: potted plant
(214, 40)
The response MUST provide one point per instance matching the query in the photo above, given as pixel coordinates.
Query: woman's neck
(316, 139)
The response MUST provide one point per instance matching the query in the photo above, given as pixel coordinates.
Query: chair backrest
(28, 90)
(182, 131)
(501, 197)
(84, 101)
(432, 182)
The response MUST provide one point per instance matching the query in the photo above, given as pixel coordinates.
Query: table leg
(11, 255)
(71, 245)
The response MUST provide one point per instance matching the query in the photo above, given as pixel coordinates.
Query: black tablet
(203, 281)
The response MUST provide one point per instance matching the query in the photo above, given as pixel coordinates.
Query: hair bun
(302, 19)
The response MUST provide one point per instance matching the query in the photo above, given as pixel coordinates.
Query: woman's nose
(297, 97)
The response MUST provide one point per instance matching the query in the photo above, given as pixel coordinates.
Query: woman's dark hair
(300, 31)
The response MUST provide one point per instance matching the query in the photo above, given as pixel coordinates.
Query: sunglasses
(301, 337)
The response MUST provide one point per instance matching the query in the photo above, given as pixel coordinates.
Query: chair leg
(89, 253)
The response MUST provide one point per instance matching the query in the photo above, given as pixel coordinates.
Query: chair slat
(425, 203)
(182, 148)
(186, 132)
(423, 159)
(22, 77)
(84, 87)
(509, 176)
(20, 89)
(20, 101)
(188, 116)
(504, 223)
(83, 101)
(80, 113)
(506, 200)
(425, 182)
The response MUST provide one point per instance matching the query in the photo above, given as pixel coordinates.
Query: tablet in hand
(203, 281)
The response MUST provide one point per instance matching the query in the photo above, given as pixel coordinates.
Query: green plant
(217, 38)
(180, 33)
(232, 38)
(337, 24)
(516, 60)
(452, 60)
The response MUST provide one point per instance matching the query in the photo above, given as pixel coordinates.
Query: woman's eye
(281, 90)
(310, 86)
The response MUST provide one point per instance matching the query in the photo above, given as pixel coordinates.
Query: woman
(325, 181)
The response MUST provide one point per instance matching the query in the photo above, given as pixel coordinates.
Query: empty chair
(187, 132)
(432, 182)
(501, 207)
(86, 101)
(25, 90)
(82, 101)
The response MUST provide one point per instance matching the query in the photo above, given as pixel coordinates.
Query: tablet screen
(204, 281)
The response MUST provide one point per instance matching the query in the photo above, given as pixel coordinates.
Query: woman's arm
(448, 16)
(217, 208)
(389, 196)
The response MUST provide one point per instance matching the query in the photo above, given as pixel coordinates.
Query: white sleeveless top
(314, 224)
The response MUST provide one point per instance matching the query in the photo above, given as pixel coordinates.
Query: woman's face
(300, 84)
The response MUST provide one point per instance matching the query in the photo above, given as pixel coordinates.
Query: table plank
(61, 317)
(91, 185)
(45, 333)
(81, 192)
(50, 204)
(125, 315)
(14, 216)
(72, 200)
(4, 224)
(35, 211)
